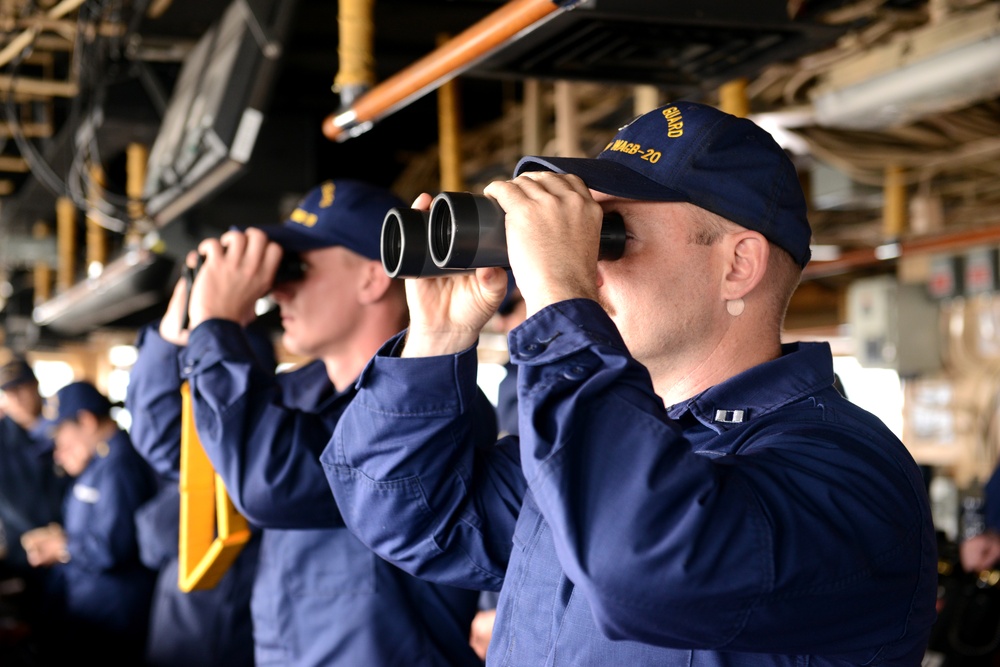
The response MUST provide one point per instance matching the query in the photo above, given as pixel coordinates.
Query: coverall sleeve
(417, 480)
(266, 452)
(803, 542)
(154, 402)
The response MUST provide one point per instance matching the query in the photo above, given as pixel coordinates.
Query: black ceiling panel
(683, 47)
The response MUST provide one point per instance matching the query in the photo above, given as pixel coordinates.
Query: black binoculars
(290, 268)
(462, 231)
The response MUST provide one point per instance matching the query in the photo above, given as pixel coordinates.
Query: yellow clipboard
(212, 532)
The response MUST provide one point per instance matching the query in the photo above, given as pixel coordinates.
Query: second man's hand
(238, 269)
(448, 313)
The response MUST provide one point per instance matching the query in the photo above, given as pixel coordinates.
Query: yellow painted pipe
(894, 214)
(355, 46)
(733, 98)
(136, 161)
(449, 135)
(97, 236)
(65, 242)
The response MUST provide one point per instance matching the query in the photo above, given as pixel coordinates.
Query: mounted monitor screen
(216, 108)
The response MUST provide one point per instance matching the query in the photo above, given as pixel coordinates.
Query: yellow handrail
(212, 532)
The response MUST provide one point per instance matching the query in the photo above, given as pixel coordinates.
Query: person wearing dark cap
(105, 589)
(685, 488)
(320, 597)
(31, 487)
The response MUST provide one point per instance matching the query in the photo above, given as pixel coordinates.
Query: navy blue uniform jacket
(320, 597)
(202, 628)
(106, 587)
(766, 521)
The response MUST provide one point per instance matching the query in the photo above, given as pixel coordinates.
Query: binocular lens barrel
(404, 245)
(462, 231)
(394, 241)
(467, 231)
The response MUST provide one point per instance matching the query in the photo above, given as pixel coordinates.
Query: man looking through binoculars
(685, 489)
(320, 596)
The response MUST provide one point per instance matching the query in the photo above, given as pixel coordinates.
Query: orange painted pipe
(441, 65)
(939, 243)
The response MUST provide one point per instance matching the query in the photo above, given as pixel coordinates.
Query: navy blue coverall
(320, 597)
(765, 521)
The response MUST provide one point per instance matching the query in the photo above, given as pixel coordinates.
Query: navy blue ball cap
(341, 212)
(690, 152)
(77, 396)
(16, 372)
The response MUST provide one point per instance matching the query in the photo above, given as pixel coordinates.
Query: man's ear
(747, 263)
(374, 282)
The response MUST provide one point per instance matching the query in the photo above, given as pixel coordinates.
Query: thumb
(492, 285)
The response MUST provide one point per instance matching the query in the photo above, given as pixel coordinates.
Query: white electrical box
(894, 326)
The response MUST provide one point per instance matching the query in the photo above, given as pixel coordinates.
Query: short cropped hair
(783, 273)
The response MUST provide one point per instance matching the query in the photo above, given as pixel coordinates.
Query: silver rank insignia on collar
(729, 416)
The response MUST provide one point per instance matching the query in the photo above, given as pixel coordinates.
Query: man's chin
(292, 346)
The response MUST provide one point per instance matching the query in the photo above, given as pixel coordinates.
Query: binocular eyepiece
(290, 268)
(462, 231)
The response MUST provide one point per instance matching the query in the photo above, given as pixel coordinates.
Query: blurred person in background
(31, 487)
(103, 587)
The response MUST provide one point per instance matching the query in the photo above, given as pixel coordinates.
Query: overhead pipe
(97, 235)
(26, 38)
(925, 245)
(532, 135)
(645, 98)
(38, 87)
(567, 120)
(14, 164)
(136, 161)
(65, 242)
(894, 203)
(356, 73)
(733, 98)
(443, 64)
(449, 135)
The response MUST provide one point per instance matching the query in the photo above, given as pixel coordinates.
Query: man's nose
(281, 292)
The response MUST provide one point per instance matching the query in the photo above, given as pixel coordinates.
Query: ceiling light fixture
(946, 66)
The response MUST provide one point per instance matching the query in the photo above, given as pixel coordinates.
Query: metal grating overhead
(680, 50)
